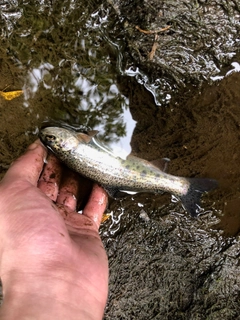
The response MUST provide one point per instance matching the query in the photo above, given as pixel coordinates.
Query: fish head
(57, 138)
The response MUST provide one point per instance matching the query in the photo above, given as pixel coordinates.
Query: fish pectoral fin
(114, 192)
(161, 164)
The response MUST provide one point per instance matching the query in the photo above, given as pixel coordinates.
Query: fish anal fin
(161, 164)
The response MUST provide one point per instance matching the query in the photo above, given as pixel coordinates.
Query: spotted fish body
(86, 155)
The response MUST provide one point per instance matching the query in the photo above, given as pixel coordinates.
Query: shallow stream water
(74, 64)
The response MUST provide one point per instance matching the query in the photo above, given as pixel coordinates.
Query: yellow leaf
(105, 217)
(11, 94)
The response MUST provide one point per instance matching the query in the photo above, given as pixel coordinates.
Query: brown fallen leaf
(11, 94)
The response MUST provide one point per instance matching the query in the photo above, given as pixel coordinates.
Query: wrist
(31, 296)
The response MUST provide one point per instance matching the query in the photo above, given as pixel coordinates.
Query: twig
(154, 48)
(155, 44)
(152, 31)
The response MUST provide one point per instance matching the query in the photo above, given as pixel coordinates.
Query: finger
(29, 166)
(96, 205)
(78, 224)
(68, 190)
(85, 189)
(50, 178)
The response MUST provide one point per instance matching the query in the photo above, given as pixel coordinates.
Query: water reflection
(236, 68)
(122, 146)
(98, 109)
(61, 54)
(34, 78)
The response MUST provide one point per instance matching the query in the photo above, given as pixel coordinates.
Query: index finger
(96, 204)
(29, 166)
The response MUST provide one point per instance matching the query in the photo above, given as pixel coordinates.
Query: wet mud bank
(178, 42)
(170, 266)
(200, 132)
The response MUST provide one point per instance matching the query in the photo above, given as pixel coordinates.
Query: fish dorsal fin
(92, 133)
(161, 164)
(87, 137)
(84, 137)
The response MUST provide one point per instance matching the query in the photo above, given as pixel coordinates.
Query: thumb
(28, 167)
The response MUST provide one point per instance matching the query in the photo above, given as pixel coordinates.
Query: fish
(84, 153)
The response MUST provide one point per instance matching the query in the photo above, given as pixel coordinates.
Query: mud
(201, 139)
(197, 40)
(169, 266)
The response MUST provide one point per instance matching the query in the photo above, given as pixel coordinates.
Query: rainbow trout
(84, 153)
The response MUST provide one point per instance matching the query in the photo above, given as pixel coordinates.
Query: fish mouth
(43, 138)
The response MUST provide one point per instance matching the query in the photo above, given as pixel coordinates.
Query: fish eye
(50, 137)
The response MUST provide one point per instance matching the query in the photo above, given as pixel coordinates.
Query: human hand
(52, 261)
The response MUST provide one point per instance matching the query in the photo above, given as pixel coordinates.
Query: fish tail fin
(198, 186)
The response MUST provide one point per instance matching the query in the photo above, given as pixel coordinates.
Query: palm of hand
(40, 236)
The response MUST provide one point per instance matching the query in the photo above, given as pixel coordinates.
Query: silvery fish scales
(86, 155)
